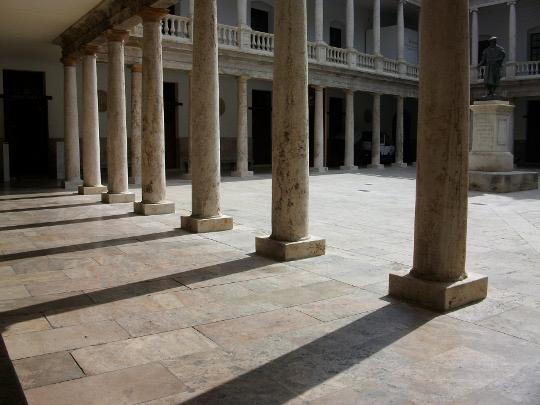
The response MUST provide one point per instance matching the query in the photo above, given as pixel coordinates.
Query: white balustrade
(311, 51)
(262, 41)
(412, 71)
(227, 35)
(336, 55)
(528, 69)
(174, 26)
(390, 66)
(364, 61)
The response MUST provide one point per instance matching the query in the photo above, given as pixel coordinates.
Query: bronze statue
(492, 58)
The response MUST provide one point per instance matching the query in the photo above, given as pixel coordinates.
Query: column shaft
(241, 11)
(377, 27)
(349, 132)
(136, 125)
(318, 149)
(319, 20)
(116, 115)
(187, 175)
(512, 31)
(242, 134)
(71, 125)
(442, 175)
(376, 133)
(90, 124)
(349, 39)
(400, 30)
(474, 39)
(399, 132)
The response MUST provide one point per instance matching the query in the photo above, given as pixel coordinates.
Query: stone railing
(364, 61)
(227, 35)
(390, 66)
(262, 41)
(528, 69)
(412, 71)
(175, 27)
(311, 51)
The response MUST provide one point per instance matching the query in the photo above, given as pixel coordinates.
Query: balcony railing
(528, 69)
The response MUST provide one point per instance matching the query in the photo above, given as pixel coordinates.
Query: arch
(264, 6)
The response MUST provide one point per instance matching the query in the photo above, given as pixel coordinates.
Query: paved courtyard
(100, 306)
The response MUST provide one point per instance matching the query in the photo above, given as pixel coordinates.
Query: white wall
(389, 44)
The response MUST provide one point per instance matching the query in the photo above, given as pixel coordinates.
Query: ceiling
(28, 27)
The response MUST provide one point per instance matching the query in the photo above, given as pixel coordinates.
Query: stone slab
(142, 208)
(439, 296)
(285, 251)
(348, 168)
(91, 190)
(503, 182)
(378, 166)
(399, 165)
(319, 169)
(135, 180)
(72, 184)
(117, 198)
(202, 225)
(130, 386)
(242, 174)
(491, 161)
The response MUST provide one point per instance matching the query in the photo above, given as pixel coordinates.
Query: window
(259, 20)
(535, 46)
(335, 37)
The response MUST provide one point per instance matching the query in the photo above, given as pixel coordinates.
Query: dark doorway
(169, 111)
(533, 131)
(335, 37)
(336, 133)
(259, 20)
(261, 126)
(26, 122)
(407, 147)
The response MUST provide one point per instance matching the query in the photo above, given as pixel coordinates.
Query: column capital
(318, 87)
(68, 61)
(189, 73)
(116, 35)
(349, 91)
(512, 2)
(401, 1)
(135, 68)
(242, 79)
(375, 94)
(152, 14)
(473, 10)
(90, 49)
(400, 97)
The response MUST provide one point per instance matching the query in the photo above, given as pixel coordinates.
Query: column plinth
(242, 149)
(117, 170)
(153, 181)
(438, 279)
(90, 125)
(71, 126)
(290, 237)
(205, 169)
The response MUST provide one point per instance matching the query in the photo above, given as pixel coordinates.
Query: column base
(142, 208)
(242, 174)
(92, 190)
(348, 168)
(203, 225)
(286, 251)
(71, 184)
(135, 180)
(399, 165)
(377, 166)
(503, 182)
(491, 161)
(320, 169)
(436, 295)
(116, 198)
(186, 176)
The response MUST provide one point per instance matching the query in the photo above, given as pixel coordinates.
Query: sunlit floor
(100, 306)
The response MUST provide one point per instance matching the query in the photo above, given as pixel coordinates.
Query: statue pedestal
(490, 161)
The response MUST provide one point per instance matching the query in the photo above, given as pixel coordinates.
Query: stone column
(290, 237)
(241, 11)
(438, 278)
(242, 149)
(206, 212)
(71, 126)
(153, 128)
(377, 35)
(191, 11)
(511, 64)
(187, 175)
(349, 37)
(399, 134)
(90, 125)
(117, 169)
(376, 134)
(136, 126)
(318, 138)
(401, 37)
(474, 44)
(349, 132)
(319, 21)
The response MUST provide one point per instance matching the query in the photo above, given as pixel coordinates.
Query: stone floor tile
(6, 271)
(21, 279)
(179, 343)
(14, 325)
(123, 292)
(57, 340)
(80, 284)
(373, 395)
(130, 386)
(14, 292)
(521, 386)
(484, 396)
(255, 326)
(47, 369)
(43, 303)
(521, 322)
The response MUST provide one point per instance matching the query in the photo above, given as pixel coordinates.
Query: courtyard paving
(100, 306)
